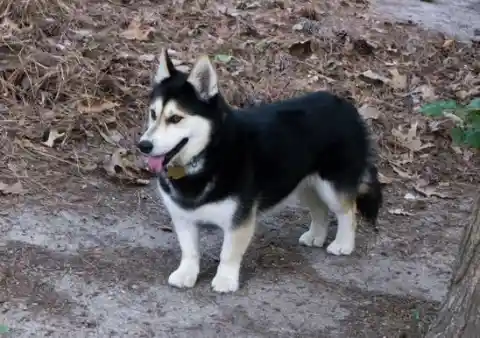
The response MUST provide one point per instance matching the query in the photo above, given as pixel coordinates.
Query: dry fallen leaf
(372, 77)
(51, 136)
(410, 140)
(399, 212)
(119, 165)
(427, 92)
(364, 46)
(97, 108)
(9, 26)
(111, 136)
(298, 26)
(166, 228)
(398, 81)
(136, 32)
(410, 197)
(384, 179)
(448, 44)
(146, 57)
(115, 164)
(429, 191)
(301, 49)
(13, 189)
(401, 173)
(368, 112)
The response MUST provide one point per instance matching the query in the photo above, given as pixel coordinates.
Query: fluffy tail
(369, 198)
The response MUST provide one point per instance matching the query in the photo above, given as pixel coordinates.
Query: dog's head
(182, 113)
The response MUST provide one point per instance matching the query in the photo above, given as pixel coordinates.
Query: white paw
(308, 239)
(225, 282)
(341, 247)
(185, 276)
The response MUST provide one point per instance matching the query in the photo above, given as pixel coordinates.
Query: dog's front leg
(235, 243)
(187, 272)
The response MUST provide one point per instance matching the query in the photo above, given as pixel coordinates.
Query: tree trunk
(459, 316)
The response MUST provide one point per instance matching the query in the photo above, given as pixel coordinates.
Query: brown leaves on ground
(400, 212)
(51, 136)
(369, 112)
(410, 139)
(12, 189)
(396, 80)
(97, 108)
(123, 165)
(428, 190)
(75, 76)
(26, 12)
(135, 31)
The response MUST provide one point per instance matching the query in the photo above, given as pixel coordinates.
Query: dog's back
(289, 140)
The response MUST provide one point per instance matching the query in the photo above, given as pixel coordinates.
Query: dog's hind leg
(235, 242)
(344, 208)
(317, 233)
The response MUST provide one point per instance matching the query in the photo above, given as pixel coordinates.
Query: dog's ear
(203, 78)
(165, 68)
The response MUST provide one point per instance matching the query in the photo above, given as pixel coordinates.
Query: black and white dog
(223, 166)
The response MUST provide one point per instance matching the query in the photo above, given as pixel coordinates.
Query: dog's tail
(369, 198)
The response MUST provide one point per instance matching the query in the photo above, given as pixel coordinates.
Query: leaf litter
(12, 189)
(410, 139)
(122, 165)
(135, 31)
(51, 136)
(87, 83)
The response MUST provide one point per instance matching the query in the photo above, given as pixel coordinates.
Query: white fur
(234, 245)
(317, 233)
(344, 242)
(318, 195)
(203, 78)
(162, 70)
(165, 137)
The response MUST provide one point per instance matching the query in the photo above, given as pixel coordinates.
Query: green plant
(466, 118)
(3, 329)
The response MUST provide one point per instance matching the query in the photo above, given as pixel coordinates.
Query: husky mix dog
(222, 166)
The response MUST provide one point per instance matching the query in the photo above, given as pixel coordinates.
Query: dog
(223, 166)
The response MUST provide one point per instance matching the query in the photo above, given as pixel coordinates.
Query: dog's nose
(145, 147)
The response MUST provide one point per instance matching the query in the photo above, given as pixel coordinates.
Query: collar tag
(175, 172)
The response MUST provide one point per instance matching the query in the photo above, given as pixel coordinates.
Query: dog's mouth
(158, 163)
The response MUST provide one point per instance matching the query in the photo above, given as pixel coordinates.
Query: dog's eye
(174, 119)
(153, 114)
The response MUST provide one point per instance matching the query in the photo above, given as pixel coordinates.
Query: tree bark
(459, 316)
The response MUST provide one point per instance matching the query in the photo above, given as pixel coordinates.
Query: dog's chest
(221, 213)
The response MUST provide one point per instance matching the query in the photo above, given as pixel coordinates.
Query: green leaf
(475, 121)
(437, 108)
(472, 138)
(223, 58)
(458, 135)
(416, 315)
(3, 329)
(474, 104)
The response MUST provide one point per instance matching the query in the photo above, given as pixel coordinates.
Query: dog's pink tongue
(155, 163)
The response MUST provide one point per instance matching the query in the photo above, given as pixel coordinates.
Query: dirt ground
(86, 247)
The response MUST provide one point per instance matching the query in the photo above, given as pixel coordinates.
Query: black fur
(369, 203)
(261, 154)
